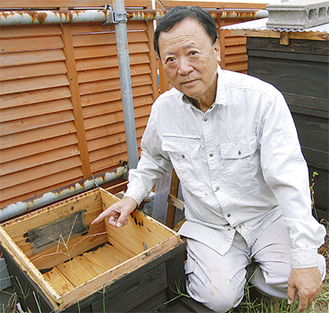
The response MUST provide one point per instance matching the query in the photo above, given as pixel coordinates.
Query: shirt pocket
(241, 165)
(185, 153)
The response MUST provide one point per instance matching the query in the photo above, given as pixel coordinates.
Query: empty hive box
(59, 262)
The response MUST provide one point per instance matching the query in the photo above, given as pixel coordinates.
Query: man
(234, 146)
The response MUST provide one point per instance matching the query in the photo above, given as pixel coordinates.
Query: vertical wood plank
(171, 208)
(76, 101)
(221, 37)
(153, 60)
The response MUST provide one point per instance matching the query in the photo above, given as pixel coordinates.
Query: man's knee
(218, 296)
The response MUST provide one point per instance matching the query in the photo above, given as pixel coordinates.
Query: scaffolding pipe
(125, 81)
(51, 197)
(31, 17)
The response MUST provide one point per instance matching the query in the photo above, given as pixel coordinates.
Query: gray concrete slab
(298, 14)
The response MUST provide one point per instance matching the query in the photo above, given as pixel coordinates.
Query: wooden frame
(75, 267)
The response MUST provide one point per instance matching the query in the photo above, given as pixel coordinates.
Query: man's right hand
(118, 212)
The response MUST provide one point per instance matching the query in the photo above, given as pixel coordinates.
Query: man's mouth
(189, 82)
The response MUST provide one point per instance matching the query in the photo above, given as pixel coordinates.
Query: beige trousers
(218, 281)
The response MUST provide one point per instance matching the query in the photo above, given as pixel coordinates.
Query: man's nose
(184, 66)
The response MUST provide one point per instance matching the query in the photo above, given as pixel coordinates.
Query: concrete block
(298, 14)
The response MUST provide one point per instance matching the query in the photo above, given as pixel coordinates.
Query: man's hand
(118, 212)
(304, 285)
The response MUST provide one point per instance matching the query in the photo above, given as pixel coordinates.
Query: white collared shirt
(240, 165)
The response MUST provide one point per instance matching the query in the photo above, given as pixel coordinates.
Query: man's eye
(169, 60)
(193, 53)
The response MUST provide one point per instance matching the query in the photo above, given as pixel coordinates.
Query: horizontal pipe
(51, 197)
(31, 17)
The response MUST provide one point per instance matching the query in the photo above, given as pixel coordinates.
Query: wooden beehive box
(59, 262)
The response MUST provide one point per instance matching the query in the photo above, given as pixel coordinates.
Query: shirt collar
(221, 90)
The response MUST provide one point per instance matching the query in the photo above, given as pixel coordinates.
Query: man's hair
(179, 13)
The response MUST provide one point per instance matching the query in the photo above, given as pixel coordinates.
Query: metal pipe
(125, 82)
(48, 198)
(30, 17)
(237, 13)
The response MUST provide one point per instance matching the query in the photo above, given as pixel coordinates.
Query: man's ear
(217, 50)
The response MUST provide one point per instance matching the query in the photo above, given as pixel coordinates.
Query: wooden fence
(61, 111)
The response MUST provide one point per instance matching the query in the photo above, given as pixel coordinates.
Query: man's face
(190, 60)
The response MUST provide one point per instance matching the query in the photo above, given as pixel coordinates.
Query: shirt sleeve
(286, 172)
(153, 164)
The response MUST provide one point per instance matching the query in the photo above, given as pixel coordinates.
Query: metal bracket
(114, 17)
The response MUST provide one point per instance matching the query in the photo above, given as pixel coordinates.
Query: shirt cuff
(304, 258)
(135, 194)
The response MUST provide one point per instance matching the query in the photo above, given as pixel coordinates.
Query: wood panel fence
(61, 112)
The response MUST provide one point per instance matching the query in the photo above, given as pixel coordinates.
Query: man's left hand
(304, 285)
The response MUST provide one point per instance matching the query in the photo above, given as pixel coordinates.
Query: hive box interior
(69, 258)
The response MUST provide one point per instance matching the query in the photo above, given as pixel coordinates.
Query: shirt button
(211, 155)
(205, 119)
(217, 188)
(239, 152)
(183, 156)
(228, 215)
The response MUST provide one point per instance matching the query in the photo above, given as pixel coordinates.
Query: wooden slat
(237, 67)
(22, 151)
(76, 103)
(38, 160)
(32, 43)
(35, 83)
(213, 4)
(106, 39)
(233, 41)
(105, 258)
(107, 119)
(96, 144)
(38, 109)
(107, 50)
(31, 57)
(12, 127)
(98, 63)
(30, 31)
(113, 106)
(34, 135)
(91, 264)
(36, 96)
(35, 70)
(88, 28)
(77, 270)
(111, 162)
(114, 117)
(44, 170)
(115, 95)
(103, 153)
(40, 186)
(276, 34)
(110, 73)
(235, 50)
(105, 129)
(236, 58)
(58, 281)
